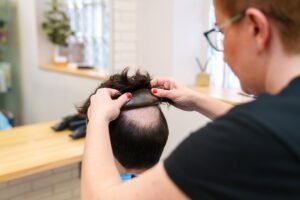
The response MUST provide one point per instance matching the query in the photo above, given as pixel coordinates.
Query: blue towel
(4, 124)
(128, 176)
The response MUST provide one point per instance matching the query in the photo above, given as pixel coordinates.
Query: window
(90, 23)
(221, 74)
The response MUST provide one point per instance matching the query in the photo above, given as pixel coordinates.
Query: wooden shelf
(63, 68)
(231, 96)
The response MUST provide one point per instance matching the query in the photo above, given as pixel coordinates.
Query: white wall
(155, 36)
(190, 21)
(169, 39)
(124, 33)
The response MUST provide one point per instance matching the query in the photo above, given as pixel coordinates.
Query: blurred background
(43, 42)
(54, 53)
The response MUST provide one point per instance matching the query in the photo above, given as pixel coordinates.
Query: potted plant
(57, 27)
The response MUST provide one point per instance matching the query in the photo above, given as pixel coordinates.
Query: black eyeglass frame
(218, 29)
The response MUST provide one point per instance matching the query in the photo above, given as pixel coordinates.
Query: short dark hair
(286, 15)
(137, 143)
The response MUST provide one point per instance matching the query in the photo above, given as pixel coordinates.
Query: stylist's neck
(281, 73)
(282, 69)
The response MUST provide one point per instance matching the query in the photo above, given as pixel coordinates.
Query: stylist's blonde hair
(284, 14)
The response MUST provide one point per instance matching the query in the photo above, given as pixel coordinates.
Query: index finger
(159, 82)
(112, 92)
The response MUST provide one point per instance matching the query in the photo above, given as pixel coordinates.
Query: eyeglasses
(215, 37)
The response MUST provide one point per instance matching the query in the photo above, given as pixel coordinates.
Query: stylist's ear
(260, 27)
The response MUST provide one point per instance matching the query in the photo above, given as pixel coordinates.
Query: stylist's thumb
(162, 93)
(124, 98)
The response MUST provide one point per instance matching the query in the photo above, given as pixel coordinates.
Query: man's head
(138, 135)
(267, 30)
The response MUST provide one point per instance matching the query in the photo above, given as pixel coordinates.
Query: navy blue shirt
(252, 152)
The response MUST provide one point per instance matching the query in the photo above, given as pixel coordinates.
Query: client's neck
(134, 171)
(123, 170)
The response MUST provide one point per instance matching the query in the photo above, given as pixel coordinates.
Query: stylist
(251, 151)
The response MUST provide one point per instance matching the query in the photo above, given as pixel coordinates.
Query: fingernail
(129, 95)
(154, 91)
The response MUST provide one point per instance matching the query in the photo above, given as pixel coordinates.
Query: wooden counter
(35, 148)
(231, 96)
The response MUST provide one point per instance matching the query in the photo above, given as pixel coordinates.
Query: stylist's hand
(103, 107)
(182, 97)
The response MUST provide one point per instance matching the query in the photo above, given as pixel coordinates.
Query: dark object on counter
(77, 123)
(65, 123)
(79, 132)
(2, 23)
(84, 66)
